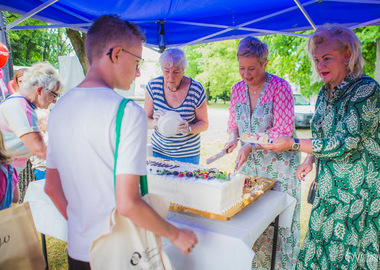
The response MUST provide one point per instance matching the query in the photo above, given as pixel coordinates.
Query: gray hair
(41, 74)
(253, 47)
(174, 57)
(346, 39)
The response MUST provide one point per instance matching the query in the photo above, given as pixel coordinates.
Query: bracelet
(253, 147)
(189, 129)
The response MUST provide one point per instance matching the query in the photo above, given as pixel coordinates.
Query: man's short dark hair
(107, 29)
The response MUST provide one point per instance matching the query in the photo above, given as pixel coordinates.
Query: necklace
(258, 88)
(179, 86)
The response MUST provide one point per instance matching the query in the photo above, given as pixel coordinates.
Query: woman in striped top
(175, 92)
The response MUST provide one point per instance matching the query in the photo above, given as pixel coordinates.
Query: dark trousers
(78, 265)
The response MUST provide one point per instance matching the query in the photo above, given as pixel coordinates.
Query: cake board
(229, 214)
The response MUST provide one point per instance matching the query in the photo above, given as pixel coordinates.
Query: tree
(289, 57)
(77, 39)
(215, 65)
(30, 46)
(368, 36)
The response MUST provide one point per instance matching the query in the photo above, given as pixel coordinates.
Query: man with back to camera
(80, 159)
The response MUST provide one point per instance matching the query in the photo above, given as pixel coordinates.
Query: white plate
(168, 123)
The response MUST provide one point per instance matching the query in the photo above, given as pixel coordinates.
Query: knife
(217, 156)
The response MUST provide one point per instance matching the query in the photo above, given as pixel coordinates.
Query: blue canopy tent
(169, 23)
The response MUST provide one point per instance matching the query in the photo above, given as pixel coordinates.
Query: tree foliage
(368, 36)
(215, 65)
(30, 46)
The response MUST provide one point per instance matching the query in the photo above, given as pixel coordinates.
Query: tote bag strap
(316, 170)
(119, 118)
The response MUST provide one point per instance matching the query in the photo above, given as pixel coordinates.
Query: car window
(300, 100)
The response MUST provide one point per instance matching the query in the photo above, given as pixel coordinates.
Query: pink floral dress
(273, 115)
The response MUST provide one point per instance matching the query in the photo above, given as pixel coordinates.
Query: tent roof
(197, 21)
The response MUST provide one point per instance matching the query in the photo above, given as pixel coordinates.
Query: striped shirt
(178, 145)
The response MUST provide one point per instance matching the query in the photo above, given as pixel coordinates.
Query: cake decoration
(256, 138)
(195, 186)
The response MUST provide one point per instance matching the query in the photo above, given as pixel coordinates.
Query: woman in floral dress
(345, 219)
(263, 103)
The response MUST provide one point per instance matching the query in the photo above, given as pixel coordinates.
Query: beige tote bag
(125, 246)
(19, 244)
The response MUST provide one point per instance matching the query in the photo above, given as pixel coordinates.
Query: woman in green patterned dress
(263, 103)
(345, 219)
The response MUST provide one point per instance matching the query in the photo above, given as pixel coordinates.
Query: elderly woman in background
(263, 103)
(344, 223)
(18, 119)
(175, 92)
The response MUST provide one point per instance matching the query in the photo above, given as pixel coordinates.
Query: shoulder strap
(119, 119)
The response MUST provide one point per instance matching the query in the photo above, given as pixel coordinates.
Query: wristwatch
(296, 145)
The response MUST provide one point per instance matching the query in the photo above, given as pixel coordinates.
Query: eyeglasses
(55, 95)
(138, 66)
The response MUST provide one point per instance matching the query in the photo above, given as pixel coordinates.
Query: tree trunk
(207, 92)
(377, 66)
(77, 39)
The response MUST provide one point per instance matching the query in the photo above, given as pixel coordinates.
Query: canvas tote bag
(124, 245)
(19, 244)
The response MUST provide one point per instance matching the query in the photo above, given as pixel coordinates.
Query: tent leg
(44, 250)
(274, 247)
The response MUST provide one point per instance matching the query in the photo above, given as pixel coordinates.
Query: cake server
(217, 156)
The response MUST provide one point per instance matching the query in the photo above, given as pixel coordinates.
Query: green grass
(57, 253)
(218, 105)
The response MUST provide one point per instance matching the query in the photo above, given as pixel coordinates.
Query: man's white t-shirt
(81, 147)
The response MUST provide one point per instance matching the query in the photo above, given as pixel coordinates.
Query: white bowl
(168, 123)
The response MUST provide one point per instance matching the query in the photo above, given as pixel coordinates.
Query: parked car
(303, 110)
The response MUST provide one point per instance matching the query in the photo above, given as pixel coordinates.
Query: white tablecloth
(47, 218)
(222, 244)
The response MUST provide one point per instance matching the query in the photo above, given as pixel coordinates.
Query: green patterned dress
(273, 115)
(345, 219)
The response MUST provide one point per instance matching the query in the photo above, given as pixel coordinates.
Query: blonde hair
(41, 74)
(174, 57)
(346, 40)
(253, 47)
(19, 73)
(4, 158)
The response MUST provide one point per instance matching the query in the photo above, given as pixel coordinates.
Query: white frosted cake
(194, 186)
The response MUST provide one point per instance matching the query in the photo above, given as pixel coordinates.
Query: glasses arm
(110, 54)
